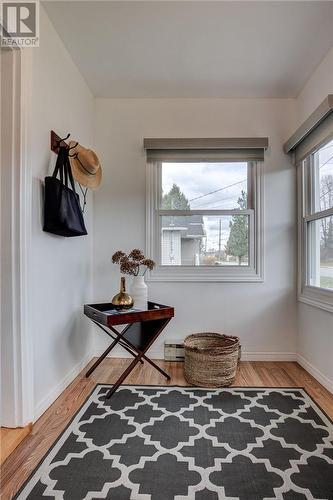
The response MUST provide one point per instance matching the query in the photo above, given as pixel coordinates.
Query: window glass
(204, 186)
(320, 253)
(323, 177)
(198, 240)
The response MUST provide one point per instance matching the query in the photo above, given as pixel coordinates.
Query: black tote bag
(62, 210)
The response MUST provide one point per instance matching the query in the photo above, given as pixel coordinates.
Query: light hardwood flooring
(27, 455)
(10, 439)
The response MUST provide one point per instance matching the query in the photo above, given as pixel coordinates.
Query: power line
(327, 161)
(217, 190)
(221, 200)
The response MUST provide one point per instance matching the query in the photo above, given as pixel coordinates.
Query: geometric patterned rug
(166, 443)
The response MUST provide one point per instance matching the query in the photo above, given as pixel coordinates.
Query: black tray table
(141, 330)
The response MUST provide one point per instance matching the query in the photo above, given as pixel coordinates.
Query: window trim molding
(226, 274)
(314, 296)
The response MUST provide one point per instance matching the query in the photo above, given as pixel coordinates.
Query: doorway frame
(17, 408)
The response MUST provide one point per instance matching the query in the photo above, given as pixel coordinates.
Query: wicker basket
(211, 359)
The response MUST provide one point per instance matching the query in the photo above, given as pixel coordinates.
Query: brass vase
(122, 300)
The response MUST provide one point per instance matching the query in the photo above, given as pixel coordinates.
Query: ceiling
(195, 49)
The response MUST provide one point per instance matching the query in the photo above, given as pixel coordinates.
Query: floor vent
(174, 350)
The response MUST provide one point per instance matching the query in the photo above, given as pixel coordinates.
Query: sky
(325, 164)
(224, 182)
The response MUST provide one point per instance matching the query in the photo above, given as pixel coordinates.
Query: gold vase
(122, 300)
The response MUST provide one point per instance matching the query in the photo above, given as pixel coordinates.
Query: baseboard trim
(52, 395)
(317, 374)
(246, 355)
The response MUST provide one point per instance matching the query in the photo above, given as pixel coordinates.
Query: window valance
(206, 149)
(315, 131)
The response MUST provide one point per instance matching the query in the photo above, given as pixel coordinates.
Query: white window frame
(312, 295)
(254, 272)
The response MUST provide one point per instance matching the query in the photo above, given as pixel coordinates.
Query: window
(312, 147)
(316, 227)
(204, 218)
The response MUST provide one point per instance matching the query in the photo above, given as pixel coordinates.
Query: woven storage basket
(211, 359)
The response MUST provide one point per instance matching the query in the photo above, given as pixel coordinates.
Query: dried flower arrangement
(133, 262)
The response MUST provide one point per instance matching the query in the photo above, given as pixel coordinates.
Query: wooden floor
(26, 456)
(10, 439)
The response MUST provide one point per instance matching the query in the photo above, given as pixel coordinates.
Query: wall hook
(57, 141)
(64, 139)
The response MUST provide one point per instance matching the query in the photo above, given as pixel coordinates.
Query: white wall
(315, 328)
(60, 273)
(263, 314)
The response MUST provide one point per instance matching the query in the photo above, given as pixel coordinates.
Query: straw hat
(85, 165)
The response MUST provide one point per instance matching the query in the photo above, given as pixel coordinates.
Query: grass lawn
(326, 282)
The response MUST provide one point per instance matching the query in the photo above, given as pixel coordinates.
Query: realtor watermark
(19, 23)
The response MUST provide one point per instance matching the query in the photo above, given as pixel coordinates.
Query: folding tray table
(141, 330)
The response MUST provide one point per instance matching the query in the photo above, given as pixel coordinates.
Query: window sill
(195, 274)
(321, 299)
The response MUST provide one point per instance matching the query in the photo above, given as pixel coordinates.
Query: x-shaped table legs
(155, 326)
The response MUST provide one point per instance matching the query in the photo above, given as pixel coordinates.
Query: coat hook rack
(57, 141)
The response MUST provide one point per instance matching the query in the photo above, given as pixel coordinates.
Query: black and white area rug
(165, 443)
